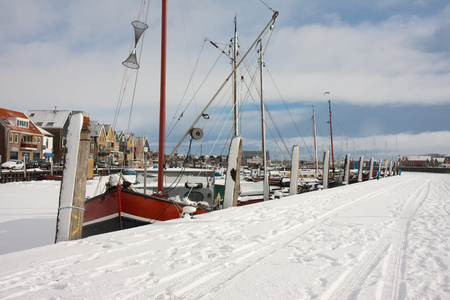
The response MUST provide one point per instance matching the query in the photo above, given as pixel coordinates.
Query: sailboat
(122, 206)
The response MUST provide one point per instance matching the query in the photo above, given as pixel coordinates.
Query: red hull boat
(121, 208)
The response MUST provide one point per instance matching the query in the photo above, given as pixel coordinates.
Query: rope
(266, 5)
(125, 79)
(76, 207)
(194, 96)
(289, 113)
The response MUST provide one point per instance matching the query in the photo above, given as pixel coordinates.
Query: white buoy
(189, 210)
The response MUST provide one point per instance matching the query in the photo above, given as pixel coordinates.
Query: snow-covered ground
(383, 239)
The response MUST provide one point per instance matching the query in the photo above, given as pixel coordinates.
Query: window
(39, 123)
(31, 115)
(50, 124)
(194, 196)
(39, 140)
(21, 123)
(11, 138)
(6, 121)
(16, 138)
(13, 155)
(27, 138)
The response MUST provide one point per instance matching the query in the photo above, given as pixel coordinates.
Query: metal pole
(331, 135)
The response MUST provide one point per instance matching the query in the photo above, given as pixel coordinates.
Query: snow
(383, 239)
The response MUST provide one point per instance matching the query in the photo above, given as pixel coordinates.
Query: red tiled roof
(10, 114)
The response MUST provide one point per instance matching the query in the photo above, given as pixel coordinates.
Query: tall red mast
(162, 104)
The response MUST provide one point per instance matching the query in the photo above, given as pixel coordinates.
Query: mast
(331, 133)
(263, 125)
(271, 22)
(162, 105)
(235, 54)
(316, 164)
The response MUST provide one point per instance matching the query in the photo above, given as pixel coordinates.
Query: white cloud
(69, 54)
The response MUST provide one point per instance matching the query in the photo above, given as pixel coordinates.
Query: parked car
(103, 164)
(13, 164)
(40, 163)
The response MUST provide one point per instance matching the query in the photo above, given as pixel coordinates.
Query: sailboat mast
(235, 54)
(271, 22)
(263, 126)
(331, 134)
(162, 105)
(316, 165)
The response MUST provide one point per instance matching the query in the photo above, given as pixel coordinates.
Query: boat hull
(121, 209)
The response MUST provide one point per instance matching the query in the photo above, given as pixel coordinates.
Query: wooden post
(326, 169)
(293, 187)
(379, 166)
(232, 179)
(360, 169)
(371, 169)
(73, 185)
(390, 168)
(346, 169)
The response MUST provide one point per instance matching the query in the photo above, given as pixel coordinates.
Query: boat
(51, 177)
(122, 206)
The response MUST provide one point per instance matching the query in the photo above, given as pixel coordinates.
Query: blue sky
(385, 63)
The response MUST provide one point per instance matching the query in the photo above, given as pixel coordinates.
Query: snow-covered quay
(383, 239)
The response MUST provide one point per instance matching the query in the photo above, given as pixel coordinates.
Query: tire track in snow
(199, 280)
(348, 284)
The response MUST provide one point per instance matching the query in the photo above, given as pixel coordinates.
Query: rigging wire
(287, 109)
(267, 6)
(346, 133)
(193, 97)
(185, 91)
(253, 75)
(187, 46)
(126, 78)
(137, 72)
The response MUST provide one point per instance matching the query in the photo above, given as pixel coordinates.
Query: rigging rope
(289, 113)
(125, 79)
(193, 97)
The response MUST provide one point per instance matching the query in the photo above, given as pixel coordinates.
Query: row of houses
(424, 161)
(42, 134)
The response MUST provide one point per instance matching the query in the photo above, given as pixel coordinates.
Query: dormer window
(50, 124)
(22, 123)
